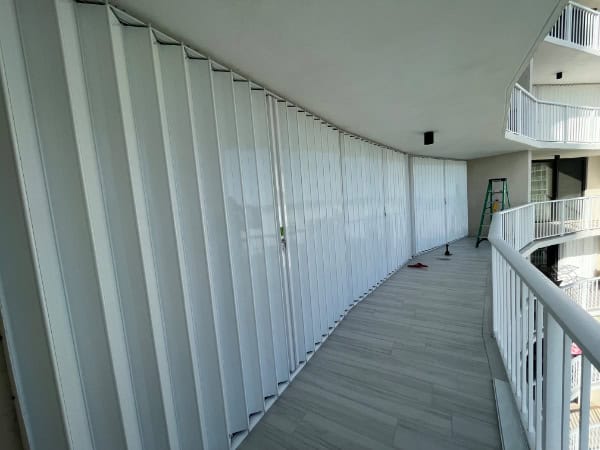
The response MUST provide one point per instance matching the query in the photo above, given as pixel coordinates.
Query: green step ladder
(496, 199)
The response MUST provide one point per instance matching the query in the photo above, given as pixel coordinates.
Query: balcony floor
(406, 369)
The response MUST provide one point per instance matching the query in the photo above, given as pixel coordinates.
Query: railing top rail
(532, 204)
(551, 103)
(565, 105)
(525, 91)
(576, 322)
(565, 199)
(514, 208)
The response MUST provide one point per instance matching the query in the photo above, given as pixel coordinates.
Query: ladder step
(490, 204)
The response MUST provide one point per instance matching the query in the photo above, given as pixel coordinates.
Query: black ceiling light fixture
(428, 138)
(559, 75)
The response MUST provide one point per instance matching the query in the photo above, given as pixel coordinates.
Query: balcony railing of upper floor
(535, 324)
(551, 122)
(577, 26)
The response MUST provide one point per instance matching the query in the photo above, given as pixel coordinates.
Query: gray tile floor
(406, 369)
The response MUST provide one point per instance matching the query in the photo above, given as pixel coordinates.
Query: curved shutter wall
(428, 202)
(184, 241)
(439, 195)
(455, 179)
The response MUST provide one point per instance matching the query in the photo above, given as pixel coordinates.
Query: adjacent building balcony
(563, 123)
(578, 26)
(544, 124)
(586, 294)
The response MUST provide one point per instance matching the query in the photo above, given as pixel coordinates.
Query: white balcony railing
(593, 439)
(586, 294)
(552, 122)
(578, 25)
(535, 324)
(525, 224)
(576, 378)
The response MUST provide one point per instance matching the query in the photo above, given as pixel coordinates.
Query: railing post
(569, 23)
(531, 221)
(565, 124)
(596, 43)
(566, 390)
(553, 382)
(584, 401)
(519, 102)
(561, 217)
(587, 211)
(495, 292)
(536, 132)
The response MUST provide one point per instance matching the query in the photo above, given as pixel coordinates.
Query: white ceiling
(577, 66)
(387, 69)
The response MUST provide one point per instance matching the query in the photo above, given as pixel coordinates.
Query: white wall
(525, 78)
(593, 176)
(516, 167)
(571, 94)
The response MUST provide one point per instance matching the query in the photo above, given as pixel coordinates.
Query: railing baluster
(569, 22)
(501, 280)
(504, 308)
(512, 312)
(538, 375)
(596, 44)
(584, 404)
(553, 345)
(519, 111)
(566, 390)
(523, 341)
(507, 342)
(565, 124)
(530, 360)
(495, 292)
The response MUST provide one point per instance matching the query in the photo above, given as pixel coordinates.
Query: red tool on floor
(418, 265)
